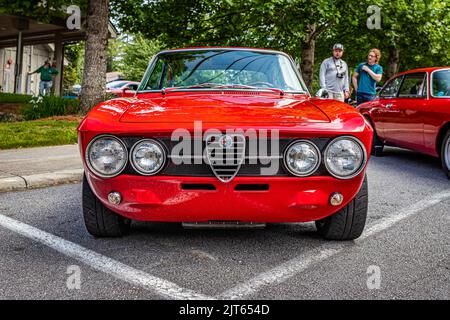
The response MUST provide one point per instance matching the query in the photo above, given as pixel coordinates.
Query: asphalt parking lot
(407, 240)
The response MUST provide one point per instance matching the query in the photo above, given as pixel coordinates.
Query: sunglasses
(372, 56)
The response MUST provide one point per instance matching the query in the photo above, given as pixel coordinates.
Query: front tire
(98, 219)
(445, 154)
(348, 223)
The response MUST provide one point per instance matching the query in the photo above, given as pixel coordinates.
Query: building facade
(33, 57)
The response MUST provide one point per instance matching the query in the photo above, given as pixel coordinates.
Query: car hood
(223, 108)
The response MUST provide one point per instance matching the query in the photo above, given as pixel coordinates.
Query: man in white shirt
(334, 75)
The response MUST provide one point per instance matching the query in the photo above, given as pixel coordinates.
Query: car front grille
(225, 154)
(251, 164)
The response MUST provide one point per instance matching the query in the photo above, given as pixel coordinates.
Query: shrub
(14, 98)
(48, 106)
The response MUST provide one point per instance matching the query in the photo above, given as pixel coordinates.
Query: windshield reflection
(223, 69)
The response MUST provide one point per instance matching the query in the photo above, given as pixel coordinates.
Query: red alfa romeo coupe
(412, 111)
(220, 137)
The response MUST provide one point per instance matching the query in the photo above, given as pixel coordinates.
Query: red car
(122, 88)
(224, 136)
(412, 111)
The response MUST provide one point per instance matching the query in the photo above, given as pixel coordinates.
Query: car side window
(441, 83)
(391, 88)
(154, 82)
(413, 86)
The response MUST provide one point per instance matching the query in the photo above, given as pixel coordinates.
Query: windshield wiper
(204, 85)
(280, 91)
(237, 86)
(195, 86)
(243, 86)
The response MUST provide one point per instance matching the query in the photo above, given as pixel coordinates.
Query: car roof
(429, 69)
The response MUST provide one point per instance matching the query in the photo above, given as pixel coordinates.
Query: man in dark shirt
(46, 72)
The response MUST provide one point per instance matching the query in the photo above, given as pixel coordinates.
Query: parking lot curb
(41, 180)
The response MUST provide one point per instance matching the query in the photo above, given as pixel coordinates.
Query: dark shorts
(362, 97)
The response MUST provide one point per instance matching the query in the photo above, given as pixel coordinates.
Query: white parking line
(298, 264)
(102, 263)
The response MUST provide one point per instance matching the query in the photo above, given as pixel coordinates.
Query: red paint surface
(412, 123)
(160, 198)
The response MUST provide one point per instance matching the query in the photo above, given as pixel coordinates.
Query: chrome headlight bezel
(361, 166)
(88, 161)
(159, 145)
(309, 172)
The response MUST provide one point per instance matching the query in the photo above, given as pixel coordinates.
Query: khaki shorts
(336, 96)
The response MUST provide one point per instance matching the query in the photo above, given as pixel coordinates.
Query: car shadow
(409, 156)
(155, 230)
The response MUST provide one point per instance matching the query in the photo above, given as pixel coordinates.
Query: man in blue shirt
(369, 73)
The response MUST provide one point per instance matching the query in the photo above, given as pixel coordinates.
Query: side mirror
(322, 94)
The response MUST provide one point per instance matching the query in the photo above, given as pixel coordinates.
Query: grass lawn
(37, 133)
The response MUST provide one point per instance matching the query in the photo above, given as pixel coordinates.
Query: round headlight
(302, 158)
(345, 157)
(106, 156)
(148, 156)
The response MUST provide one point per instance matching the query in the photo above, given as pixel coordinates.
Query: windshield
(233, 69)
(441, 83)
(115, 84)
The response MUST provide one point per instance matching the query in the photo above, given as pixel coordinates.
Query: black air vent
(197, 186)
(252, 187)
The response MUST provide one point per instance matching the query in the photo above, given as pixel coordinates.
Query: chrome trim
(135, 167)
(310, 172)
(363, 163)
(88, 162)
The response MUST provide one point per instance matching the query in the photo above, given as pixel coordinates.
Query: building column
(20, 24)
(19, 63)
(59, 59)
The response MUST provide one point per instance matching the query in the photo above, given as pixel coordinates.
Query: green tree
(116, 49)
(73, 71)
(136, 56)
(413, 34)
(43, 11)
(415, 31)
(289, 25)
